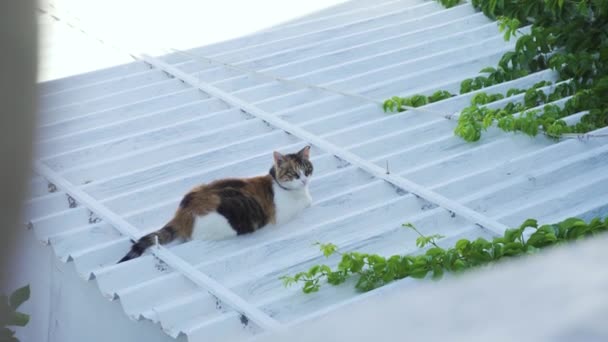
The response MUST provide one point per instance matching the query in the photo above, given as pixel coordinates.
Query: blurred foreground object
(18, 41)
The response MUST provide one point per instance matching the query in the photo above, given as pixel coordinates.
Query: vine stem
(432, 240)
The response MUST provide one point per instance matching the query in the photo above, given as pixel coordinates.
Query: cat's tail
(165, 235)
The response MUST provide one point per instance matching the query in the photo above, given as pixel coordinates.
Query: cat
(236, 206)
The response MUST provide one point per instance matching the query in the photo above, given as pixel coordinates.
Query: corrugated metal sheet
(136, 137)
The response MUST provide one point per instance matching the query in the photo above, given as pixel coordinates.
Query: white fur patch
(289, 203)
(212, 226)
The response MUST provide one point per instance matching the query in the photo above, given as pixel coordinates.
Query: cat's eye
(297, 176)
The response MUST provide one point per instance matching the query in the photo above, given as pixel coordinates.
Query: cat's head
(294, 170)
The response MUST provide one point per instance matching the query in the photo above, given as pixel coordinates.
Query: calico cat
(230, 207)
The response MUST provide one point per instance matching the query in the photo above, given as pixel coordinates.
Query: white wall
(32, 264)
(65, 307)
(81, 313)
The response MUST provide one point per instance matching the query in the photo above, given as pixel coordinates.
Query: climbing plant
(570, 37)
(9, 316)
(449, 3)
(567, 36)
(372, 271)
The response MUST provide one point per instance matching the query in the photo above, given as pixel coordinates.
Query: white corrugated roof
(129, 141)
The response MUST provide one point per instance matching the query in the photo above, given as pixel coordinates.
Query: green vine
(396, 103)
(570, 37)
(449, 3)
(373, 271)
(9, 316)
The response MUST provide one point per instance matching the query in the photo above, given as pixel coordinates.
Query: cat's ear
(278, 158)
(304, 153)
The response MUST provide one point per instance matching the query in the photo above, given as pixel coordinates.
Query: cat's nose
(305, 181)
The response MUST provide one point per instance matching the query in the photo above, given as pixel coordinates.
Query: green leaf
(310, 286)
(497, 251)
(386, 105)
(408, 225)
(346, 263)
(419, 272)
(551, 237)
(459, 266)
(572, 222)
(440, 95)
(435, 251)
(488, 120)
(506, 59)
(513, 248)
(511, 235)
(437, 273)
(287, 280)
(462, 244)
(19, 297)
(481, 243)
(357, 262)
(529, 223)
(313, 270)
(335, 278)
(324, 269)
(328, 249)
(19, 319)
(583, 9)
(466, 86)
(538, 239)
(419, 100)
(422, 241)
